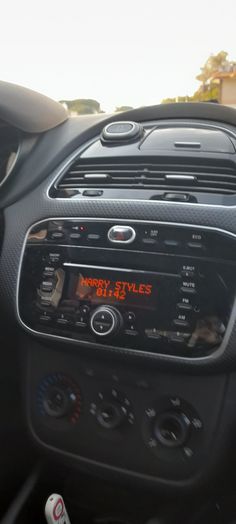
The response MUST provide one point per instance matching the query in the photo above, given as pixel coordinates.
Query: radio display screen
(99, 286)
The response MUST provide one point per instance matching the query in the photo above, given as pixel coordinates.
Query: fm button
(121, 234)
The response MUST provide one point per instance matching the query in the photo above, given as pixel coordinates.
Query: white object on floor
(55, 510)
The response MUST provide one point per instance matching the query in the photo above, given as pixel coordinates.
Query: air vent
(208, 176)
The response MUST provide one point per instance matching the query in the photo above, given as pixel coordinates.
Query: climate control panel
(130, 418)
(171, 430)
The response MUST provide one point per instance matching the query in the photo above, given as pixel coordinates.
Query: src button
(121, 234)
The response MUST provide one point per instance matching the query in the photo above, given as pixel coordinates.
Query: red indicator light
(82, 228)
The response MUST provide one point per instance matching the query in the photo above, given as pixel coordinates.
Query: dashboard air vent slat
(218, 176)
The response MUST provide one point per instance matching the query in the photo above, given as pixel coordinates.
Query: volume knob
(105, 321)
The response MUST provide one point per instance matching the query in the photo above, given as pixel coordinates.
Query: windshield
(108, 56)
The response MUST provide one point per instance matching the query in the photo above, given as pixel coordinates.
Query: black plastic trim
(28, 110)
(147, 355)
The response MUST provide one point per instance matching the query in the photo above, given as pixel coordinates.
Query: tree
(169, 100)
(176, 99)
(207, 92)
(123, 108)
(209, 88)
(214, 64)
(82, 106)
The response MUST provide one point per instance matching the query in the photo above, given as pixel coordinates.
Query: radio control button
(181, 323)
(93, 236)
(81, 325)
(48, 271)
(177, 338)
(57, 235)
(150, 241)
(130, 316)
(188, 290)
(75, 236)
(102, 327)
(62, 319)
(102, 322)
(196, 245)
(45, 318)
(85, 310)
(45, 301)
(184, 307)
(121, 234)
(154, 333)
(188, 286)
(105, 320)
(171, 243)
(132, 327)
(131, 331)
(80, 319)
(104, 317)
(47, 286)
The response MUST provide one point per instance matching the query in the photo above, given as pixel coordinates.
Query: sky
(118, 52)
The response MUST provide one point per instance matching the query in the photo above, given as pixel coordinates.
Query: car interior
(118, 312)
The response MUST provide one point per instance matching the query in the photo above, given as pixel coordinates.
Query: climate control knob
(112, 410)
(58, 397)
(110, 415)
(58, 401)
(172, 429)
(105, 320)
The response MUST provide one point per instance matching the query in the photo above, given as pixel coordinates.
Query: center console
(101, 292)
(133, 286)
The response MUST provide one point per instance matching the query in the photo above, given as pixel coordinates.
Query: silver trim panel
(209, 358)
(123, 270)
(129, 241)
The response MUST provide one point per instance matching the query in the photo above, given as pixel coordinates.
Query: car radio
(139, 286)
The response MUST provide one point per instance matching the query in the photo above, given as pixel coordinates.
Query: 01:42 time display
(118, 294)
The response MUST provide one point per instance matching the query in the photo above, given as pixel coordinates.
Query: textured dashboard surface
(28, 110)
(36, 206)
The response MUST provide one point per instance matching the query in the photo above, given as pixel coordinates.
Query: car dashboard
(118, 244)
